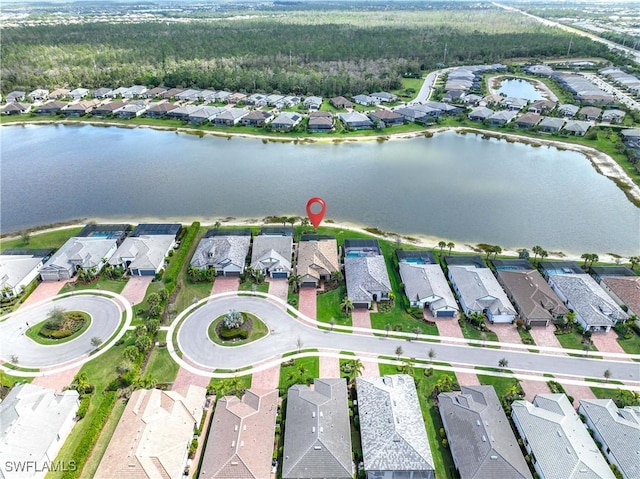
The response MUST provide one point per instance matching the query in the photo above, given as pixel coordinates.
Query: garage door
(361, 305)
(308, 284)
(233, 274)
(279, 275)
(143, 272)
(445, 314)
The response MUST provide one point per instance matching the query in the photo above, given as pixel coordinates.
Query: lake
(457, 187)
(519, 89)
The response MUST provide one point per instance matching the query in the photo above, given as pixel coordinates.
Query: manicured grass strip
(249, 286)
(301, 371)
(222, 386)
(630, 345)
(258, 330)
(500, 384)
(400, 321)
(8, 381)
(470, 332)
(115, 286)
(49, 239)
(34, 331)
(574, 340)
(161, 366)
(328, 307)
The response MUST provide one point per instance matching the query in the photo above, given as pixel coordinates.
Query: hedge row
(55, 333)
(84, 406)
(90, 436)
(233, 333)
(173, 270)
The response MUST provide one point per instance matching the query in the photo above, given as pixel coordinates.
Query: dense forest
(322, 53)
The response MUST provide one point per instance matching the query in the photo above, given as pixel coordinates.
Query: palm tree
(304, 222)
(442, 245)
(634, 260)
(536, 251)
(607, 374)
(503, 363)
(543, 254)
(586, 257)
(347, 305)
(193, 272)
(217, 225)
(496, 250)
(451, 245)
(295, 280)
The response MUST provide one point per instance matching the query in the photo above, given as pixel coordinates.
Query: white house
(271, 255)
(143, 255)
(426, 287)
(224, 250)
(18, 270)
(78, 253)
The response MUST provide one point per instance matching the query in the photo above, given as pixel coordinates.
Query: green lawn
(34, 331)
(242, 382)
(441, 456)
(470, 332)
(631, 345)
(328, 306)
(8, 381)
(103, 440)
(50, 239)
(500, 384)
(573, 340)
(525, 336)
(258, 330)
(302, 371)
(399, 319)
(249, 286)
(103, 283)
(161, 367)
(138, 309)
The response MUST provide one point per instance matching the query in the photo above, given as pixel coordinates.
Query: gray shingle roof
(220, 251)
(480, 437)
(366, 275)
(559, 441)
(317, 440)
(272, 252)
(391, 425)
(619, 430)
(426, 282)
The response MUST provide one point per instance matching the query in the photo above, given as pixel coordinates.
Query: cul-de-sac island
(469, 307)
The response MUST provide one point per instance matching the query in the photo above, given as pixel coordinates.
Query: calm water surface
(519, 89)
(451, 186)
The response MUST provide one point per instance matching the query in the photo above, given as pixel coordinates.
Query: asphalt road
(105, 318)
(285, 331)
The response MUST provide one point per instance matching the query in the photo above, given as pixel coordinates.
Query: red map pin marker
(316, 218)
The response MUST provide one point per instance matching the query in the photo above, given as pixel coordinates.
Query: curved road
(105, 318)
(285, 331)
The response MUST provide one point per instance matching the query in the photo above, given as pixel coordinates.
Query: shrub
(172, 271)
(233, 320)
(84, 406)
(229, 334)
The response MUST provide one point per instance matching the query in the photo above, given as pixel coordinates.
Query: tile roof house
(412, 114)
(320, 121)
(365, 100)
(101, 92)
(18, 270)
(393, 435)
(313, 102)
(388, 117)
(134, 91)
(513, 103)
(617, 431)
(355, 120)
(153, 435)
(34, 423)
(78, 253)
(39, 94)
(624, 291)
(15, 96)
(55, 94)
(158, 110)
(285, 121)
(479, 292)
(341, 102)
(502, 117)
(567, 110)
(594, 308)
(51, 108)
(480, 437)
(535, 301)
(590, 113)
(204, 115)
(528, 120)
(227, 253)
(143, 255)
(426, 286)
(80, 108)
(542, 106)
(16, 108)
(257, 118)
(133, 109)
(118, 92)
(367, 279)
(480, 114)
(556, 439)
(317, 440)
(384, 96)
(78, 93)
(240, 441)
(171, 93)
(272, 255)
(317, 259)
(154, 92)
(613, 116)
(182, 112)
(110, 108)
(230, 117)
(550, 125)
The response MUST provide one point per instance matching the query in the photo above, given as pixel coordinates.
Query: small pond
(520, 89)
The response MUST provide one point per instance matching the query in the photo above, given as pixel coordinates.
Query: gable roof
(153, 435)
(392, 428)
(366, 275)
(355, 118)
(385, 115)
(627, 289)
(14, 269)
(480, 290)
(240, 441)
(316, 258)
(317, 441)
(558, 439)
(84, 252)
(221, 251)
(148, 252)
(550, 122)
(480, 437)
(423, 281)
(619, 429)
(272, 252)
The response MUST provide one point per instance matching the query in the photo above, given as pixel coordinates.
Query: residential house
(453, 96)
(274, 99)
(224, 250)
(464, 260)
(613, 116)
(257, 99)
(34, 424)
(590, 113)
(236, 98)
(289, 101)
(143, 255)
(317, 259)
(171, 93)
(78, 253)
(387, 117)
(118, 92)
(444, 108)
(631, 138)
(392, 432)
(15, 96)
(471, 99)
(106, 109)
(479, 292)
(257, 118)
(230, 117)
(426, 287)
(207, 96)
(576, 127)
(480, 113)
(320, 122)
(549, 268)
(624, 290)
(133, 109)
(317, 439)
(18, 268)
(134, 92)
(616, 431)
(568, 110)
(556, 440)
(355, 120)
(205, 115)
(341, 102)
(54, 107)
(528, 120)
(271, 254)
(78, 93)
(101, 93)
(285, 121)
(384, 97)
(59, 93)
(542, 106)
(159, 110)
(534, 299)
(550, 125)
(412, 115)
(515, 104)
(16, 108)
(480, 438)
(366, 273)
(188, 95)
(502, 117)
(182, 112)
(601, 272)
(494, 99)
(154, 92)
(540, 70)
(241, 437)
(39, 94)
(313, 102)
(81, 108)
(594, 308)
(153, 435)
(365, 100)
